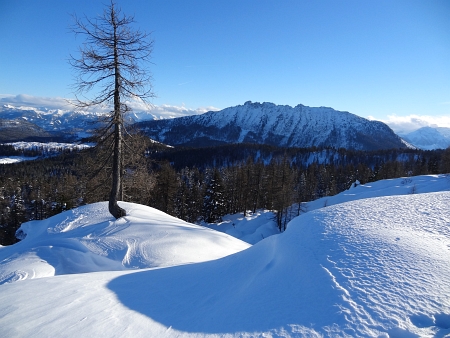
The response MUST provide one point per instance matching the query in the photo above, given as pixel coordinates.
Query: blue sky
(379, 59)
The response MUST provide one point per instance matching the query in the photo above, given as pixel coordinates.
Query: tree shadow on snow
(232, 295)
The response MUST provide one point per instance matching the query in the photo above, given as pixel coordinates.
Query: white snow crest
(88, 239)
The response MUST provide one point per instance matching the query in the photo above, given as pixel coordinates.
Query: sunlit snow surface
(45, 148)
(15, 159)
(373, 267)
(88, 239)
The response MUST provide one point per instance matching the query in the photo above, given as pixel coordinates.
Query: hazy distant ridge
(428, 138)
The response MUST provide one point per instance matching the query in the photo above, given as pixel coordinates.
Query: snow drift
(89, 239)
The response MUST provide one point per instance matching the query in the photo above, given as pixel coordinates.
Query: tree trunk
(116, 188)
(114, 208)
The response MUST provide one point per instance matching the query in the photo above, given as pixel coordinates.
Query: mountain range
(252, 122)
(40, 124)
(267, 123)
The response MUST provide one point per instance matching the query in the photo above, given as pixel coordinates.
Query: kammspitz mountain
(267, 123)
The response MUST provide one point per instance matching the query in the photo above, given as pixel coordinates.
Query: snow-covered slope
(268, 123)
(15, 159)
(45, 149)
(390, 187)
(429, 138)
(88, 239)
(58, 120)
(375, 267)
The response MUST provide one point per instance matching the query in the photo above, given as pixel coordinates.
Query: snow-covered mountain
(267, 123)
(378, 266)
(52, 120)
(40, 123)
(428, 138)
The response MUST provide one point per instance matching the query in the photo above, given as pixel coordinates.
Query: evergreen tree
(166, 188)
(445, 162)
(214, 198)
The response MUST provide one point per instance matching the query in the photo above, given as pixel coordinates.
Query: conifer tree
(166, 189)
(445, 162)
(112, 60)
(214, 201)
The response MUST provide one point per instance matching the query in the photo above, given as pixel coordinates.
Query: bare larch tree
(111, 66)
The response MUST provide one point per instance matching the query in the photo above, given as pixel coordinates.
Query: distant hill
(22, 130)
(267, 123)
(429, 138)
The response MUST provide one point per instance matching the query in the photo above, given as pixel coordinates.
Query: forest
(198, 184)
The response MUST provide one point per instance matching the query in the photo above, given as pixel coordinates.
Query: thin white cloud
(29, 101)
(165, 111)
(410, 123)
(25, 101)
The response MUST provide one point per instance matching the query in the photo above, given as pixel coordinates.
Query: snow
(389, 187)
(428, 138)
(251, 228)
(259, 225)
(367, 265)
(88, 239)
(15, 159)
(59, 113)
(49, 146)
(299, 126)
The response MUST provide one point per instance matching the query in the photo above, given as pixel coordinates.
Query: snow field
(370, 267)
